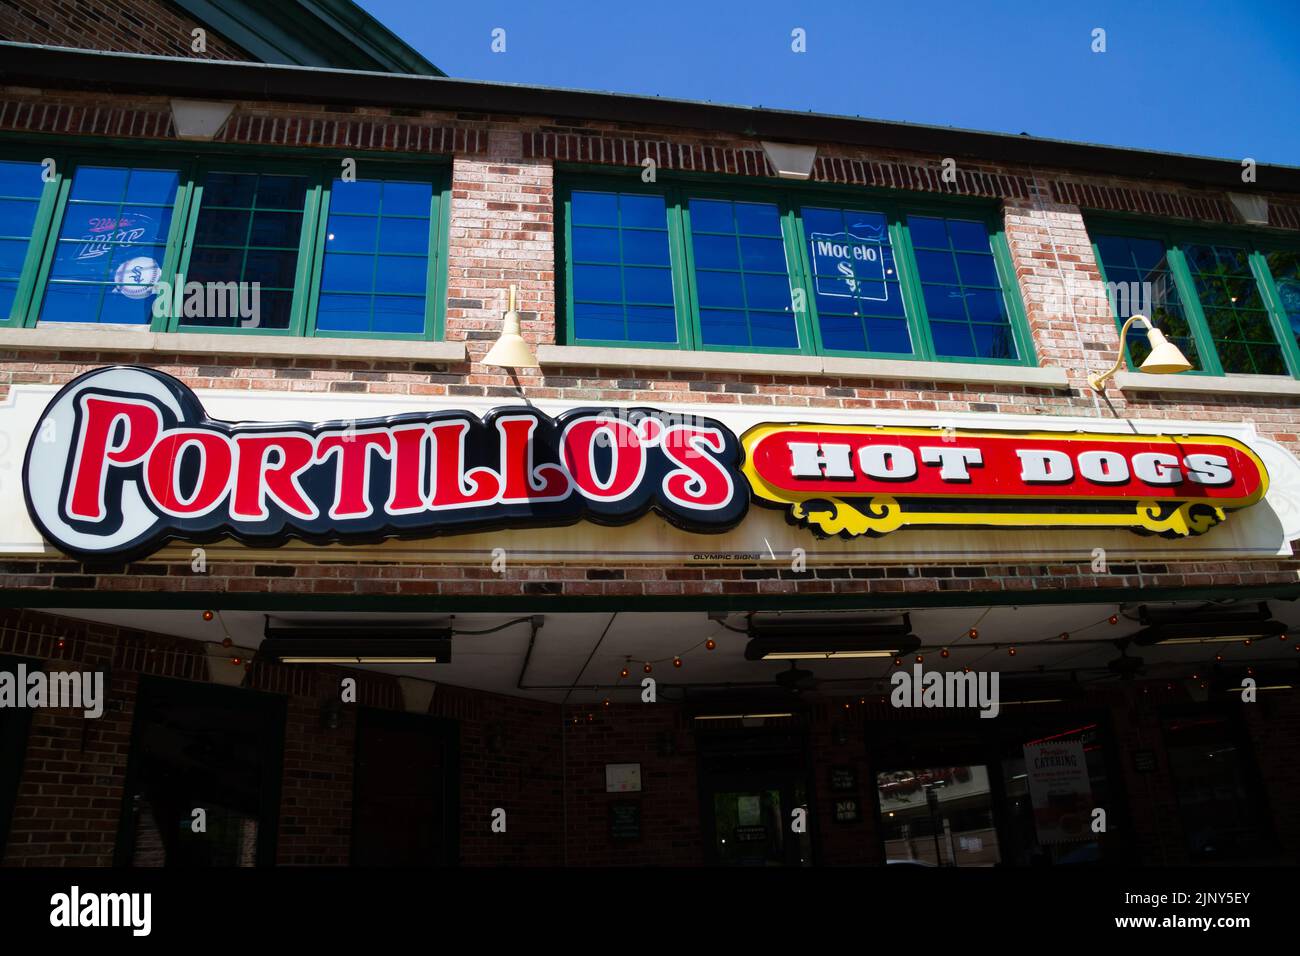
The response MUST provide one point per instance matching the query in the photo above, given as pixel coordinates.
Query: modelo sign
(125, 459)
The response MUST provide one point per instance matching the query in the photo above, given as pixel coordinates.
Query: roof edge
(66, 68)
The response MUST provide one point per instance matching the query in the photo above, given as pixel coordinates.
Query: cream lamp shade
(510, 350)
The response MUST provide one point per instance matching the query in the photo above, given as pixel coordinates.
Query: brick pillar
(1065, 301)
(70, 792)
(501, 232)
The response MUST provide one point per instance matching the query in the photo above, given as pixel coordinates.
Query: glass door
(938, 816)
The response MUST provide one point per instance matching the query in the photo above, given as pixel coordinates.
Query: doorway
(405, 808)
(15, 724)
(752, 782)
(202, 747)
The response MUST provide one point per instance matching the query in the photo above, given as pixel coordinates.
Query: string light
(1065, 635)
(1114, 619)
(973, 634)
(944, 653)
(647, 667)
(208, 615)
(677, 662)
(227, 642)
(624, 673)
(605, 702)
(1012, 650)
(920, 659)
(710, 644)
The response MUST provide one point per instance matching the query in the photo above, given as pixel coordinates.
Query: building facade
(810, 409)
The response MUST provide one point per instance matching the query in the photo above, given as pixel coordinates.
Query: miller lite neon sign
(125, 459)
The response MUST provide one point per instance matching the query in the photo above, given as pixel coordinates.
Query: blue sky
(1210, 78)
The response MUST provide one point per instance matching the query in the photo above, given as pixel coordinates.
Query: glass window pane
(1230, 300)
(602, 323)
(594, 209)
(255, 240)
(741, 275)
(351, 234)
(1138, 278)
(647, 324)
(377, 250)
(960, 283)
(111, 245)
(622, 282)
(20, 180)
(1285, 268)
(855, 276)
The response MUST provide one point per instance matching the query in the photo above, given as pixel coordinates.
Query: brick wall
(123, 26)
(502, 232)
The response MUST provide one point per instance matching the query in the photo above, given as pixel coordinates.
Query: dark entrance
(202, 747)
(14, 723)
(405, 810)
(751, 781)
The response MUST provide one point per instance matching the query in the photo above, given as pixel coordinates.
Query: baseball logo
(136, 278)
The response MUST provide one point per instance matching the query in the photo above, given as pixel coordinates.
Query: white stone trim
(133, 338)
(1270, 385)
(812, 365)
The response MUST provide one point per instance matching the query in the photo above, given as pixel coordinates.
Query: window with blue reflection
(621, 268)
(741, 276)
(1139, 280)
(21, 186)
(111, 247)
(1234, 310)
(960, 286)
(376, 261)
(248, 230)
(1284, 265)
(855, 281)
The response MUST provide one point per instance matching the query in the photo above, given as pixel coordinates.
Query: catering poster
(1059, 790)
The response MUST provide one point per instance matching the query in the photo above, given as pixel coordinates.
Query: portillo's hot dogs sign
(125, 459)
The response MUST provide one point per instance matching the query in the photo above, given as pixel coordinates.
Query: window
(742, 282)
(23, 188)
(111, 245)
(376, 257)
(1222, 299)
(622, 287)
(695, 266)
(267, 248)
(249, 228)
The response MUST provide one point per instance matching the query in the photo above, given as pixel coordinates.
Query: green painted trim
(677, 188)
(192, 165)
(49, 246)
(204, 600)
(435, 269)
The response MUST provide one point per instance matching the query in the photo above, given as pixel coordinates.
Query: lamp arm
(1098, 382)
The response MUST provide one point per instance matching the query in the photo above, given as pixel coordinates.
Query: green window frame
(803, 280)
(182, 237)
(1218, 320)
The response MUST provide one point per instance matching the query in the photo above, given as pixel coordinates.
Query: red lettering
(518, 469)
(407, 492)
(99, 420)
(479, 486)
(255, 479)
(352, 481)
(700, 481)
(162, 471)
(626, 447)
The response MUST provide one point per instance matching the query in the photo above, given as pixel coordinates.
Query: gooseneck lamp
(1165, 357)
